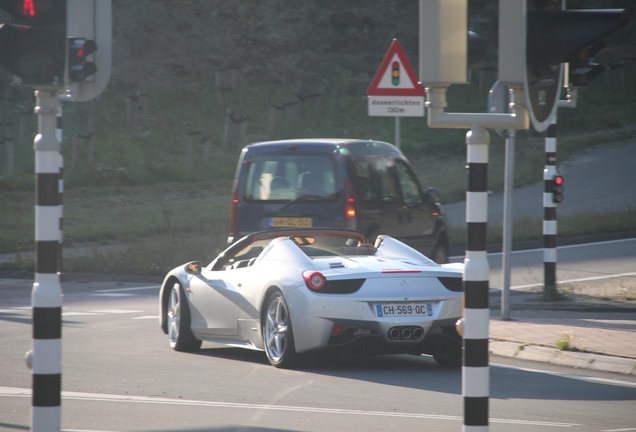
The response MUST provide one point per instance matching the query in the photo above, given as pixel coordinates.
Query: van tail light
(314, 280)
(233, 213)
(350, 201)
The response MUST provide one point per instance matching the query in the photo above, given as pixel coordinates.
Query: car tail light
(350, 201)
(314, 280)
(338, 329)
(233, 213)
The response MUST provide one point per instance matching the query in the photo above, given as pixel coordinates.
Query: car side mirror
(433, 195)
(193, 268)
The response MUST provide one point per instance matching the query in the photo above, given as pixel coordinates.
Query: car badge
(403, 283)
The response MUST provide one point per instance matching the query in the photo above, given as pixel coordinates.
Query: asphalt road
(598, 180)
(574, 263)
(120, 375)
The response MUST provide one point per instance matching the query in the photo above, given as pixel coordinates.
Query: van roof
(356, 147)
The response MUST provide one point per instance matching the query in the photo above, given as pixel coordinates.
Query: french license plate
(396, 310)
(292, 222)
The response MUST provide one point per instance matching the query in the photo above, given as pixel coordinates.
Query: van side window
(364, 181)
(389, 187)
(408, 183)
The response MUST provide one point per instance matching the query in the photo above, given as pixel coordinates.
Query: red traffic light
(558, 180)
(78, 68)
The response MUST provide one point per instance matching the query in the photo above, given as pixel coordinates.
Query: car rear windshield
(278, 177)
(325, 246)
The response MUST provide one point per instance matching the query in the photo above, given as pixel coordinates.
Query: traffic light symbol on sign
(395, 73)
(557, 189)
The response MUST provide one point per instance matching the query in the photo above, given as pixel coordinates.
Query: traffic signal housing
(536, 37)
(78, 67)
(556, 187)
(447, 48)
(33, 47)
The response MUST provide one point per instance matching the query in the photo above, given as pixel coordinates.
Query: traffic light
(556, 187)
(555, 36)
(33, 47)
(78, 67)
(598, 23)
(537, 36)
(447, 48)
(89, 47)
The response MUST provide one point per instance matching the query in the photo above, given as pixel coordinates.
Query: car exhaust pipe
(406, 333)
(394, 333)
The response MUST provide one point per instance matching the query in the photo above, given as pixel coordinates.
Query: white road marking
(96, 397)
(117, 311)
(619, 430)
(113, 295)
(578, 280)
(79, 313)
(570, 375)
(128, 289)
(146, 317)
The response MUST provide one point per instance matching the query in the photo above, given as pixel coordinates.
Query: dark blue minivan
(362, 185)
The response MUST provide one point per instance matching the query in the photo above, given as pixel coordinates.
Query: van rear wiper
(303, 197)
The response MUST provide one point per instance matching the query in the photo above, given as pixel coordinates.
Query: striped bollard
(475, 370)
(46, 356)
(549, 214)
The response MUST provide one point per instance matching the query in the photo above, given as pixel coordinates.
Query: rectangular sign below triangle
(396, 106)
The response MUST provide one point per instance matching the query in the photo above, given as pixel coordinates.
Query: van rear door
(289, 189)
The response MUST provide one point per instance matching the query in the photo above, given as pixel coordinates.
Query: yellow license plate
(292, 222)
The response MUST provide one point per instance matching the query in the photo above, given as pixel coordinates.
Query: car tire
(440, 253)
(278, 337)
(449, 358)
(178, 321)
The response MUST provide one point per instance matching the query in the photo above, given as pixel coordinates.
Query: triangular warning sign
(396, 76)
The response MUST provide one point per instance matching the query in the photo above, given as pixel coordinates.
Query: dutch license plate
(411, 309)
(292, 222)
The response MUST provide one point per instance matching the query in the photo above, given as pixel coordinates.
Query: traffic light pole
(473, 327)
(45, 359)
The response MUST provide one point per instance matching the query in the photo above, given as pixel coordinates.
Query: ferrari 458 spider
(295, 291)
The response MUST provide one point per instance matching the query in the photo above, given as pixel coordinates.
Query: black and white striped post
(46, 355)
(475, 370)
(549, 213)
(60, 181)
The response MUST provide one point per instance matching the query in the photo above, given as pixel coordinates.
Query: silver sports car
(295, 291)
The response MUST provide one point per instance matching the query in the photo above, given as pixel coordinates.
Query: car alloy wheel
(174, 315)
(277, 332)
(178, 322)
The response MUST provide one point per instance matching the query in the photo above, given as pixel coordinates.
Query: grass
(566, 342)
(146, 191)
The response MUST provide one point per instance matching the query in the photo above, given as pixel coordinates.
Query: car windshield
(283, 177)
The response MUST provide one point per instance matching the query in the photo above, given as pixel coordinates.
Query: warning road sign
(395, 90)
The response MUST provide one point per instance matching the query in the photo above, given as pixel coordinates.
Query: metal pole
(508, 221)
(397, 132)
(46, 356)
(475, 370)
(549, 215)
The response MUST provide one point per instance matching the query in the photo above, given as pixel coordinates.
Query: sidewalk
(596, 320)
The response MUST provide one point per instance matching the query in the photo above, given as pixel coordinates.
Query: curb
(581, 360)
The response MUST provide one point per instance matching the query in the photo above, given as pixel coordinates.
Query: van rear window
(273, 177)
